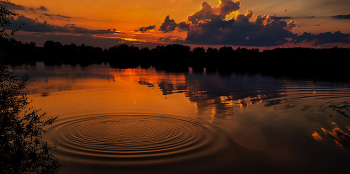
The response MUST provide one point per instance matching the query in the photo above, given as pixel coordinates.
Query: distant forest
(307, 63)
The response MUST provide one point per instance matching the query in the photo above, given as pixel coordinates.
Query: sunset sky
(245, 23)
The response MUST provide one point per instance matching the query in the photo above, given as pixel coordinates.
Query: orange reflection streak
(340, 137)
(227, 100)
(213, 113)
(110, 90)
(242, 104)
(317, 136)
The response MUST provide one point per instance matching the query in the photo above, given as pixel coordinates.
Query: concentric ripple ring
(135, 138)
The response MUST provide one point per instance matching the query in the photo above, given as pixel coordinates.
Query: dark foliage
(22, 149)
(198, 52)
(5, 17)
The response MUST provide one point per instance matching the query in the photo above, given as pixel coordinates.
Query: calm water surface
(148, 121)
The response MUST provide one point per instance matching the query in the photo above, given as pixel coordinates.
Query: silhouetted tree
(22, 149)
(198, 52)
(212, 52)
(145, 52)
(124, 51)
(226, 52)
(5, 16)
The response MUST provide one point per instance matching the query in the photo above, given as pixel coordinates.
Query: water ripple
(135, 138)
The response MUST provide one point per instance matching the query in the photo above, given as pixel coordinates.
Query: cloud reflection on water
(273, 122)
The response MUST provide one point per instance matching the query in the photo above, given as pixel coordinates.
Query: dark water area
(151, 120)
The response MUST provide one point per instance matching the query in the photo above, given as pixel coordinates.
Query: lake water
(148, 121)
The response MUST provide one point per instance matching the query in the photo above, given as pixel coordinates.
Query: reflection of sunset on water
(317, 136)
(265, 118)
(176, 86)
(340, 137)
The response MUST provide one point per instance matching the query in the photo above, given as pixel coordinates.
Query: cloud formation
(168, 39)
(168, 25)
(12, 6)
(41, 8)
(224, 25)
(341, 17)
(144, 29)
(322, 38)
(52, 16)
(32, 25)
(281, 17)
(262, 31)
(208, 13)
(164, 39)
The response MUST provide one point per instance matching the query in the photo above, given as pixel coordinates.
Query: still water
(148, 121)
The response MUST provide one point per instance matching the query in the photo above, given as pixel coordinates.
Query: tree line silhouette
(310, 63)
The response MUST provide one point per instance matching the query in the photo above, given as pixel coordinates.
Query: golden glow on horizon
(126, 39)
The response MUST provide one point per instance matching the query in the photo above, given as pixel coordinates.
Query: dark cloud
(205, 14)
(310, 17)
(225, 7)
(289, 17)
(11, 6)
(341, 17)
(169, 39)
(208, 13)
(144, 29)
(307, 17)
(52, 16)
(322, 38)
(164, 39)
(32, 25)
(210, 26)
(168, 25)
(223, 25)
(262, 31)
(281, 17)
(41, 8)
(183, 26)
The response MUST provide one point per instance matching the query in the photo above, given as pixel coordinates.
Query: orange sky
(127, 16)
